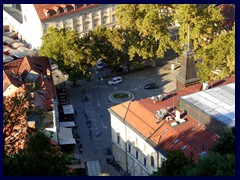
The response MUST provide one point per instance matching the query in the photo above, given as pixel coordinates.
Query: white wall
(13, 23)
(144, 149)
(32, 26)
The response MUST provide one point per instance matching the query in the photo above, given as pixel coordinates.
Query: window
(176, 141)
(152, 161)
(136, 154)
(145, 161)
(129, 147)
(184, 147)
(105, 20)
(113, 8)
(113, 18)
(165, 131)
(118, 138)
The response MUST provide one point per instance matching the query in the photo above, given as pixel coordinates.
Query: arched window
(152, 161)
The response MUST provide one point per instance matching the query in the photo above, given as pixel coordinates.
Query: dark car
(151, 86)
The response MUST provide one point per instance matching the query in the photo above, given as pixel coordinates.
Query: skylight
(176, 141)
(184, 147)
(165, 131)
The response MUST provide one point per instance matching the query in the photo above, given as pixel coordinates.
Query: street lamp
(126, 133)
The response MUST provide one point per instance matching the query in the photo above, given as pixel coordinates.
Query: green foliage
(175, 165)
(214, 164)
(65, 48)
(41, 158)
(226, 145)
(205, 23)
(146, 29)
(219, 55)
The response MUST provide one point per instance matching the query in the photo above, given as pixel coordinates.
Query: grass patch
(120, 95)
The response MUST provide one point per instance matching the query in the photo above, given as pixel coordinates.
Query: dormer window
(46, 12)
(64, 6)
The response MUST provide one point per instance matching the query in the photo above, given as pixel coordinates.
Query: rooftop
(15, 13)
(49, 11)
(169, 133)
(218, 102)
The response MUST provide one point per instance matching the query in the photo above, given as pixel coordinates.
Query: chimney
(14, 74)
(205, 86)
(32, 94)
(20, 77)
(177, 115)
(187, 74)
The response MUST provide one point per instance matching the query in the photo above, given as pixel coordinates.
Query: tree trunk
(74, 83)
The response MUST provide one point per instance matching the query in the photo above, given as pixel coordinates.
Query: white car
(115, 80)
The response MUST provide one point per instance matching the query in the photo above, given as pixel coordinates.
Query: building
(32, 75)
(36, 18)
(143, 130)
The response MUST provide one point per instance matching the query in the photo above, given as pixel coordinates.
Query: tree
(40, 158)
(226, 144)
(204, 21)
(102, 47)
(146, 29)
(175, 165)
(66, 49)
(219, 55)
(214, 164)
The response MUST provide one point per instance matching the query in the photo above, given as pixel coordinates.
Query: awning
(68, 109)
(67, 124)
(52, 135)
(93, 168)
(65, 136)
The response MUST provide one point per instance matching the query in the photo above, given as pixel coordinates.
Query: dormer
(57, 9)
(64, 6)
(46, 12)
(74, 6)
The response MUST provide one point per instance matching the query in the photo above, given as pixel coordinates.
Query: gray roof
(16, 14)
(218, 102)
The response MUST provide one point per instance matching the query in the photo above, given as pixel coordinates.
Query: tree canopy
(40, 158)
(65, 47)
(146, 29)
(219, 55)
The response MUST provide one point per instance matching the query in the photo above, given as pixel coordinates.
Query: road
(96, 140)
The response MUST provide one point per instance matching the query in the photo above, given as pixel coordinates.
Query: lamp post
(126, 133)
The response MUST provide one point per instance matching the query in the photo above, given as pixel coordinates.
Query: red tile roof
(141, 116)
(42, 97)
(51, 9)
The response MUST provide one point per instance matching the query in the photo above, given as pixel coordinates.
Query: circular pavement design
(120, 100)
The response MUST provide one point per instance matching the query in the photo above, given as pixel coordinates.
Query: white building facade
(129, 146)
(36, 20)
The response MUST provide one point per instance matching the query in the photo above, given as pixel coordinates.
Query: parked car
(151, 86)
(115, 80)
(100, 64)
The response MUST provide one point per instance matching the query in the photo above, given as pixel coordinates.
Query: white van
(115, 80)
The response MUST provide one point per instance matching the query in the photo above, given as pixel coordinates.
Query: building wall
(32, 26)
(14, 25)
(135, 165)
(204, 118)
(85, 20)
(82, 21)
